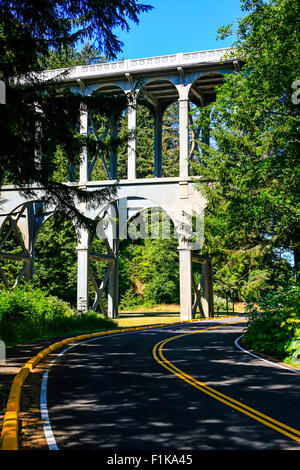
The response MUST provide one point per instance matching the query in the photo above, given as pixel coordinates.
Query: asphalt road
(111, 393)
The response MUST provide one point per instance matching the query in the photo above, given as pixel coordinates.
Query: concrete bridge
(157, 82)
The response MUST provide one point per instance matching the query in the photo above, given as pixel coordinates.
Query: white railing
(137, 65)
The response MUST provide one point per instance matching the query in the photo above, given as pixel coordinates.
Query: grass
(32, 315)
(143, 316)
(127, 319)
(73, 325)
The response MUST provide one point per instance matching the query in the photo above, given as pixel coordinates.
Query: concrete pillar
(185, 279)
(84, 165)
(183, 137)
(132, 115)
(113, 290)
(207, 299)
(82, 270)
(38, 135)
(157, 143)
(83, 235)
(112, 234)
(113, 172)
(29, 242)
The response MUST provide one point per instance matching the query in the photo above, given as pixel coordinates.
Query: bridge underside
(177, 199)
(155, 83)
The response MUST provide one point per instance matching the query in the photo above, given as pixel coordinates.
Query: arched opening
(145, 129)
(170, 141)
(202, 96)
(149, 263)
(156, 131)
(55, 260)
(12, 246)
(107, 157)
(102, 264)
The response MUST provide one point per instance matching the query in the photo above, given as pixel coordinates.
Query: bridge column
(38, 135)
(112, 234)
(114, 152)
(185, 280)
(183, 131)
(30, 222)
(84, 167)
(207, 298)
(158, 142)
(82, 270)
(132, 114)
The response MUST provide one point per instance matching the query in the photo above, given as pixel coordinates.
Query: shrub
(131, 300)
(219, 303)
(274, 324)
(29, 313)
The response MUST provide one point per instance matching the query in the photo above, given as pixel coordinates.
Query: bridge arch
(184, 78)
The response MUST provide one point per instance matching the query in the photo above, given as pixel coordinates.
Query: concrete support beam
(29, 241)
(185, 279)
(82, 270)
(207, 300)
(132, 116)
(105, 258)
(112, 234)
(113, 291)
(113, 171)
(38, 135)
(197, 95)
(183, 138)
(84, 167)
(15, 256)
(199, 258)
(157, 143)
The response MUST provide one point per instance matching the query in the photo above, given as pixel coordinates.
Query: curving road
(185, 387)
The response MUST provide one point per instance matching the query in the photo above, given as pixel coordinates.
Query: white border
(262, 359)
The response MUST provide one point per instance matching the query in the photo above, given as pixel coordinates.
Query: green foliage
(28, 313)
(145, 139)
(252, 168)
(130, 300)
(11, 269)
(27, 33)
(98, 269)
(69, 56)
(157, 267)
(219, 304)
(257, 281)
(150, 269)
(29, 37)
(56, 258)
(170, 141)
(274, 324)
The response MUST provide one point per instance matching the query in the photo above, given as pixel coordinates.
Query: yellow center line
(247, 410)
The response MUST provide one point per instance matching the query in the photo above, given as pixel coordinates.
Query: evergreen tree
(27, 36)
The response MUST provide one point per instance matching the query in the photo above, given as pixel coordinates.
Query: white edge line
(262, 359)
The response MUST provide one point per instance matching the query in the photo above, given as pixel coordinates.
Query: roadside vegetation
(274, 325)
(28, 313)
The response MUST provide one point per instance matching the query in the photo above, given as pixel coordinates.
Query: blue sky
(178, 26)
